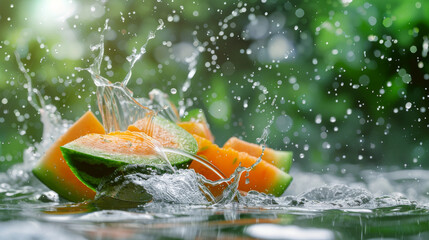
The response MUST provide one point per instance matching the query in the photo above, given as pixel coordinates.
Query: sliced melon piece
(96, 156)
(53, 170)
(280, 159)
(197, 116)
(264, 177)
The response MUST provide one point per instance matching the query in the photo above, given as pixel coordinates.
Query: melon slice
(95, 156)
(53, 170)
(264, 177)
(280, 159)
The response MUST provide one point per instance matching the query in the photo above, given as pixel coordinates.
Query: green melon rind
(83, 160)
(283, 160)
(281, 184)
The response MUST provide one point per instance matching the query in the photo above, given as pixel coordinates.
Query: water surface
(333, 205)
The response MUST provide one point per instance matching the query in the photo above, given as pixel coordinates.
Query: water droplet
(408, 105)
(299, 13)
(387, 22)
(245, 104)
(318, 119)
(372, 20)
(284, 123)
(349, 111)
(418, 4)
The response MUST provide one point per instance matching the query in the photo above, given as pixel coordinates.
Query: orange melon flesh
(53, 170)
(280, 159)
(196, 128)
(264, 177)
(207, 131)
(118, 143)
(197, 116)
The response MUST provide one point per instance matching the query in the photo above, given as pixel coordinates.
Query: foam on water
(180, 187)
(331, 197)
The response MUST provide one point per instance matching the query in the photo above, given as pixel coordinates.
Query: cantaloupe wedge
(264, 177)
(96, 156)
(54, 172)
(280, 159)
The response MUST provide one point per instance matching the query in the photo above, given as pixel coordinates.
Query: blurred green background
(342, 81)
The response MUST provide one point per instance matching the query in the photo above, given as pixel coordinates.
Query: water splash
(134, 57)
(160, 102)
(230, 184)
(34, 97)
(53, 125)
(119, 109)
(262, 141)
(192, 69)
(17, 182)
(116, 103)
(181, 187)
(338, 196)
